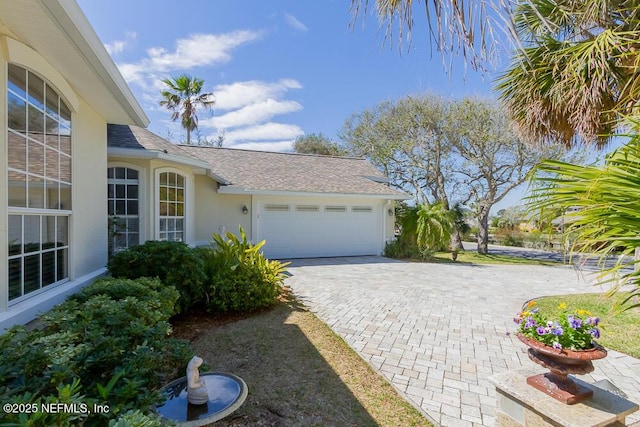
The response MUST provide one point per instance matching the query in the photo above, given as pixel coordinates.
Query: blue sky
(279, 69)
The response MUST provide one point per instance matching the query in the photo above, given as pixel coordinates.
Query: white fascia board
(241, 190)
(73, 23)
(200, 167)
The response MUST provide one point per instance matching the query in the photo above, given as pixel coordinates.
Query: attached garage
(319, 228)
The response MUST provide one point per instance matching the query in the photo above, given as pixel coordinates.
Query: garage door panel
(311, 230)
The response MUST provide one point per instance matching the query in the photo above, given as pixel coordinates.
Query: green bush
(402, 248)
(174, 263)
(239, 277)
(145, 288)
(507, 237)
(104, 345)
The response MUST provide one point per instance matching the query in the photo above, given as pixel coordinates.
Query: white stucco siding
(216, 213)
(89, 192)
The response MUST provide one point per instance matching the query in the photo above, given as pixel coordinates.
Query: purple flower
(517, 320)
(557, 345)
(574, 322)
(530, 323)
(594, 332)
(557, 330)
(541, 330)
(535, 310)
(592, 321)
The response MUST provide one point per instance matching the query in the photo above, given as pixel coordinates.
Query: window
(171, 199)
(38, 183)
(276, 208)
(362, 209)
(335, 208)
(123, 208)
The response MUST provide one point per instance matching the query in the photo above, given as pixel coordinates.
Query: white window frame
(140, 200)
(186, 217)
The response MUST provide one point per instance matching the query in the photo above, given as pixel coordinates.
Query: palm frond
(608, 197)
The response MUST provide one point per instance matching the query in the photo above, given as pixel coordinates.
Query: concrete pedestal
(520, 405)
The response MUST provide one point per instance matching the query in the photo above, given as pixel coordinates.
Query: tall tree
(448, 151)
(317, 143)
(406, 140)
(183, 97)
(495, 159)
(576, 76)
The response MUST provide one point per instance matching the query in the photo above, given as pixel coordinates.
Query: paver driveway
(438, 331)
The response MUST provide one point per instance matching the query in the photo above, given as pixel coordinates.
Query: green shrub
(508, 237)
(146, 288)
(402, 248)
(105, 344)
(174, 263)
(240, 278)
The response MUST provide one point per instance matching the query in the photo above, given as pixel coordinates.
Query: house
(302, 205)
(80, 173)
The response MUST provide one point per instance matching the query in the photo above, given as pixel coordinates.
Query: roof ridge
(271, 152)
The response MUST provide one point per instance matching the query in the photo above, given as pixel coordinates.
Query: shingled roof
(247, 171)
(287, 172)
(134, 137)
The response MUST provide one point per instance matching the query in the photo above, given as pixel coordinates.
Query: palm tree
(608, 198)
(183, 97)
(576, 76)
(434, 226)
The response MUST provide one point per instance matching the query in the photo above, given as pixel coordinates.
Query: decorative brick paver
(438, 331)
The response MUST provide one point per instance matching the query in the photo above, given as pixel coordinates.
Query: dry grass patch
(299, 373)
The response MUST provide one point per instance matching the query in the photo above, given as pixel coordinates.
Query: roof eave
(200, 167)
(72, 22)
(241, 190)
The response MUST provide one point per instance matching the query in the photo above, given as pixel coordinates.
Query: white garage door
(319, 230)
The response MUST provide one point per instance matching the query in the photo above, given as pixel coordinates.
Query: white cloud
(198, 50)
(240, 94)
(119, 45)
(295, 23)
(266, 146)
(264, 132)
(246, 108)
(253, 114)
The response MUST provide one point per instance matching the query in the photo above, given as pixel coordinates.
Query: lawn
(297, 370)
(472, 257)
(620, 331)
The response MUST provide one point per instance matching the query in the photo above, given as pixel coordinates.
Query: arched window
(123, 208)
(38, 183)
(171, 200)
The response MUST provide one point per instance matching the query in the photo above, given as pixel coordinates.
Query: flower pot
(561, 363)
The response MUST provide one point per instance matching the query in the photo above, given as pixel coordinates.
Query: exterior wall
(219, 213)
(390, 221)
(89, 192)
(87, 223)
(207, 211)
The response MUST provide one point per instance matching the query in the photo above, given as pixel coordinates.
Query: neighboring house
(66, 195)
(302, 205)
